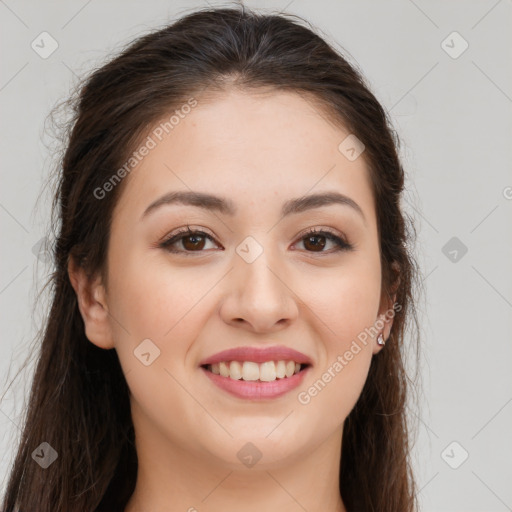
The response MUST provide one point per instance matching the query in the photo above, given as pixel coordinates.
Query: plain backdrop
(442, 70)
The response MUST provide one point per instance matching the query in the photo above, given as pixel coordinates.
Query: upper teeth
(248, 370)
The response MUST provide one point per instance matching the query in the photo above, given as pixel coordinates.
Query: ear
(91, 297)
(386, 313)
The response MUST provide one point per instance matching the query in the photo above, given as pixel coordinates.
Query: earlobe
(387, 312)
(383, 324)
(91, 298)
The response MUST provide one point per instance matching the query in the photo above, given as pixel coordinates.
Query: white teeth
(281, 369)
(235, 370)
(268, 371)
(224, 369)
(251, 371)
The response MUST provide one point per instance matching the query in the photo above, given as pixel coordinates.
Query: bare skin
(259, 151)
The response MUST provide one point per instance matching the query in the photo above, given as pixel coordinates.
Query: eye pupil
(320, 245)
(197, 239)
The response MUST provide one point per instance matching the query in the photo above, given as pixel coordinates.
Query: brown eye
(191, 241)
(317, 240)
(315, 243)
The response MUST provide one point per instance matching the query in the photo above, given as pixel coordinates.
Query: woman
(232, 285)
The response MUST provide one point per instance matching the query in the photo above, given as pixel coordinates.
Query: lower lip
(257, 390)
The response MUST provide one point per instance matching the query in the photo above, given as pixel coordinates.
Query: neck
(170, 478)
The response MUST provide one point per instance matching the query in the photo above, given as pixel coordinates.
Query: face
(259, 272)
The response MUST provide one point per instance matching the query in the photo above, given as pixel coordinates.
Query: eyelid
(322, 230)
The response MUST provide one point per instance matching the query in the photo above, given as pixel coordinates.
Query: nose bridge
(259, 269)
(259, 294)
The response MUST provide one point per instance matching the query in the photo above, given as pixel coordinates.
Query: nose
(260, 296)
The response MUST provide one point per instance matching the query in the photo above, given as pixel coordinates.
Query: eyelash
(167, 243)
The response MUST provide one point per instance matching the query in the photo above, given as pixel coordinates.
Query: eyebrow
(227, 207)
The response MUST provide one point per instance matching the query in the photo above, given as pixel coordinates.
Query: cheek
(346, 299)
(327, 399)
(151, 296)
(334, 387)
(156, 302)
(346, 304)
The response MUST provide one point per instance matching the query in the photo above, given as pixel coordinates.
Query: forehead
(249, 146)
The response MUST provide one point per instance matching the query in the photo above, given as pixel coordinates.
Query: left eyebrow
(226, 206)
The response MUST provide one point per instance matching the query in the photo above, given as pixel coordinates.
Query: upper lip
(257, 355)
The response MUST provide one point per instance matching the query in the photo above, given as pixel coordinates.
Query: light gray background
(454, 119)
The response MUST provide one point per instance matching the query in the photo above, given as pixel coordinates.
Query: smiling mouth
(256, 372)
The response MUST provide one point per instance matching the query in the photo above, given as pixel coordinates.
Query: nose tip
(258, 297)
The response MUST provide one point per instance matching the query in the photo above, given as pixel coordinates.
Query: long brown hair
(79, 399)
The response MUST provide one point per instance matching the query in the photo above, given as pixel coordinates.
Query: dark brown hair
(79, 399)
